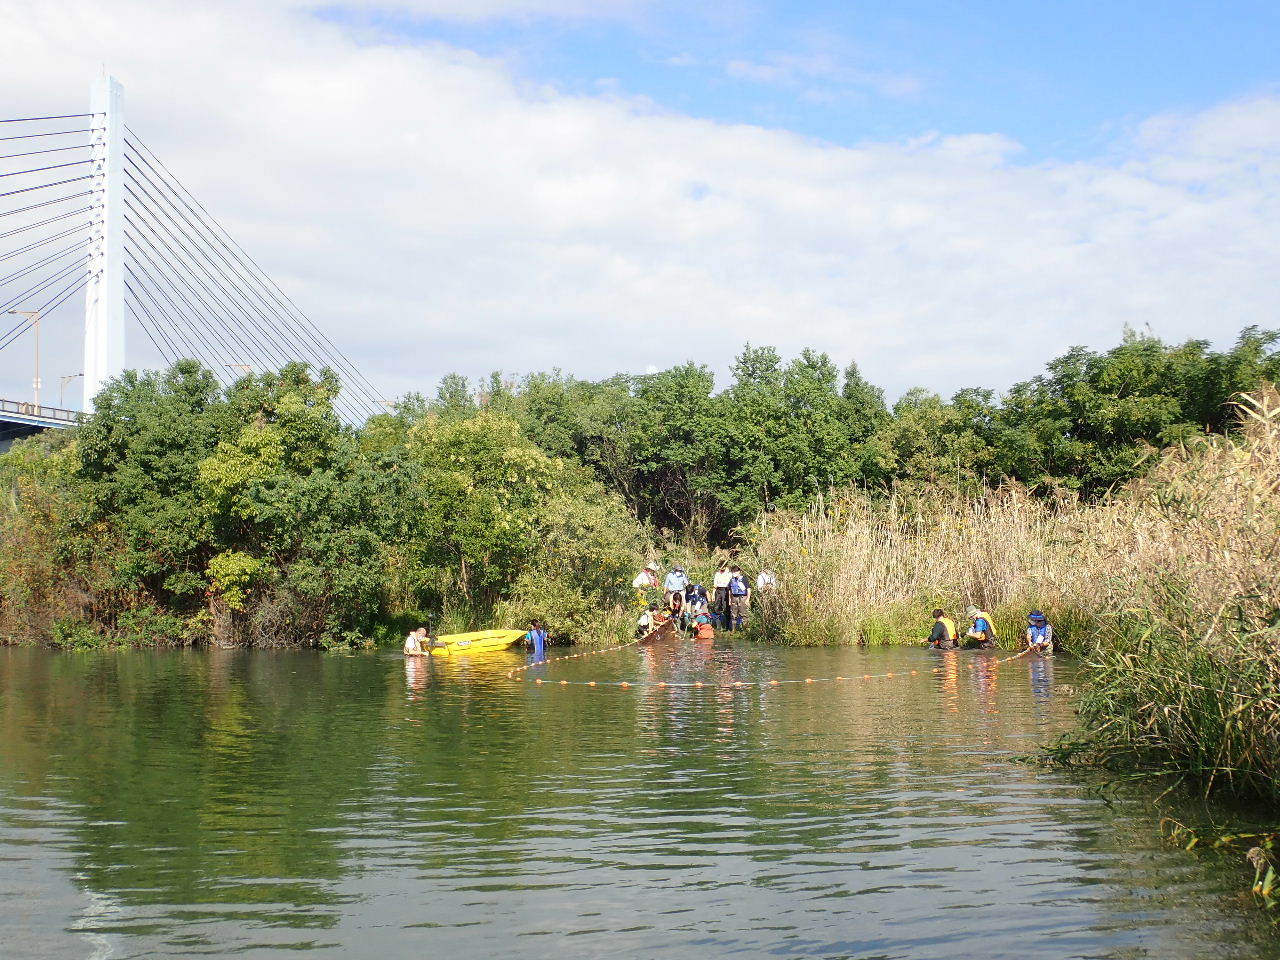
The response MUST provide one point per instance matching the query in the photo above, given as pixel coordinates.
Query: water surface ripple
(254, 803)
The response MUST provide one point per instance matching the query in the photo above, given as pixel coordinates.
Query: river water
(255, 804)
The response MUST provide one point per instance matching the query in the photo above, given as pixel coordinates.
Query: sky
(948, 193)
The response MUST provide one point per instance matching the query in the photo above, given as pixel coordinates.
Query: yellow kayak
(480, 641)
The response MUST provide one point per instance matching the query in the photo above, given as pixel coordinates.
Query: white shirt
(412, 645)
(766, 579)
(721, 579)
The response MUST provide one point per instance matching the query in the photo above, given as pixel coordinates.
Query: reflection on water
(220, 802)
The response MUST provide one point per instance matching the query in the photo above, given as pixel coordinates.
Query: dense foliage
(184, 513)
(690, 459)
(253, 515)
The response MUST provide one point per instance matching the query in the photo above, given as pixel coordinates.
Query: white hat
(653, 565)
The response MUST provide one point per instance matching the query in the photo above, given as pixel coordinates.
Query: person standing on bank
(739, 598)
(720, 593)
(674, 585)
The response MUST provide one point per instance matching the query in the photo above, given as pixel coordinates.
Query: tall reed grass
(1169, 590)
(858, 569)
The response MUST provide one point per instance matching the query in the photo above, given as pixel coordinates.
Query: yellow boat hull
(479, 641)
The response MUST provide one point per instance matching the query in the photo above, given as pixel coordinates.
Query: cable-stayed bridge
(92, 221)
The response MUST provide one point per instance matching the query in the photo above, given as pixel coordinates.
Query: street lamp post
(62, 388)
(34, 317)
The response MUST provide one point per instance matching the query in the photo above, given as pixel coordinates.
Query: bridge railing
(57, 414)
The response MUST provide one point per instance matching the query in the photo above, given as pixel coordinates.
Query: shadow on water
(209, 803)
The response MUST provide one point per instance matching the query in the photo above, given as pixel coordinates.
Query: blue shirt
(539, 639)
(676, 581)
(1042, 634)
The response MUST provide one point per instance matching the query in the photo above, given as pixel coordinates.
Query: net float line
(665, 632)
(518, 674)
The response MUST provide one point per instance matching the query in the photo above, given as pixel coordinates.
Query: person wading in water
(982, 632)
(944, 635)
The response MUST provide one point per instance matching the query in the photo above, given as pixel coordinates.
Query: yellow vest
(987, 617)
(951, 628)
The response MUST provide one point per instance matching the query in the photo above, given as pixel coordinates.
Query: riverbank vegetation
(183, 513)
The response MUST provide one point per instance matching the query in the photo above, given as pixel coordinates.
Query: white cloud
(473, 10)
(434, 213)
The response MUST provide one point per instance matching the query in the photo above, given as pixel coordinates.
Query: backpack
(738, 587)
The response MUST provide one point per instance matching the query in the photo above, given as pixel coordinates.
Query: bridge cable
(33, 153)
(41, 284)
(63, 116)
(29, 323)
(42, 263)
(243, 343)
(210, 319)
(315, 353)
(185, 252)
(193, 345)
(169, 329)
(26, 322)
(52, 133)
(55, 166)
(43, 223)
(50, 239)
(170, 356)
(187, 249)
(193, 315)
(233, 297)
(46, 203)
(254, 270)
(46, 186)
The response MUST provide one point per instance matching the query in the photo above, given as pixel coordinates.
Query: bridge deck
(15, 411)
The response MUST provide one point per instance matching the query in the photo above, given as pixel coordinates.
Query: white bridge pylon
(86, 207)
(104, 315)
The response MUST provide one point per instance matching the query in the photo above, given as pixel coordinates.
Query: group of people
(727, 606)
(982, 632)
(420, 642)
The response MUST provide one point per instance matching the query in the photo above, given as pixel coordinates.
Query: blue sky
(948, 193)
(1059, 78)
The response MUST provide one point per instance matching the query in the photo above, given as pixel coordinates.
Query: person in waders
(739, 599)
(982, 633)
(537, 639)
(720, 593)
(943, 635)
(1039, 634)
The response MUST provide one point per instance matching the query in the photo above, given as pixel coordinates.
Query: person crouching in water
(649, 621)
(702, 626)
(982, 632)
(944, 635)
(537, 638)
(1039, 633)
(413, 643)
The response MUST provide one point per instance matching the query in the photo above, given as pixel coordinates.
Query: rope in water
(511, 674)
(518, 673)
